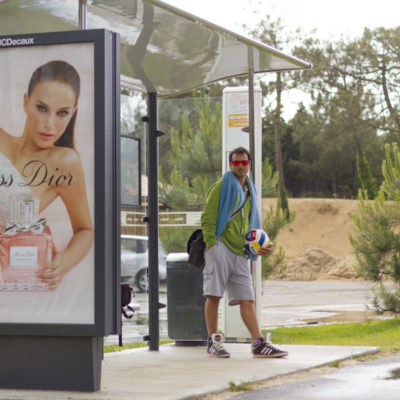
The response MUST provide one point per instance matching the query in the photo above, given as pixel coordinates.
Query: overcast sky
(330, 18)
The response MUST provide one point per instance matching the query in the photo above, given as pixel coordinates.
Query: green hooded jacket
(234, 232)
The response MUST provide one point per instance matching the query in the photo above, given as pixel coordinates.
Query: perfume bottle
(27, 244)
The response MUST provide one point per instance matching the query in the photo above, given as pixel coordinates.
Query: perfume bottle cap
(24, 209)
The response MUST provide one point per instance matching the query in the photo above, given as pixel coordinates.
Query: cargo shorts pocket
(210, 260)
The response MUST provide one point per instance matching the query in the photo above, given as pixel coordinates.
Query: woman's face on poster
(49, 109)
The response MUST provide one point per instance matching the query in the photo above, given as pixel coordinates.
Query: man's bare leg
(211, 314)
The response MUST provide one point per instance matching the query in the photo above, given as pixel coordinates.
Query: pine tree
(270, 179)
(283, 201)
(196, 156)
(376, 238)
(368, 182)
(273, 222)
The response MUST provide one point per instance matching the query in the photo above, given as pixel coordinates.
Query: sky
(330, 18)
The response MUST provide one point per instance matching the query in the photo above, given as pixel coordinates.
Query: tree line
(350, 110)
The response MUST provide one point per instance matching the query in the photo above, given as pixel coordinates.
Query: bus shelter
(163, 51)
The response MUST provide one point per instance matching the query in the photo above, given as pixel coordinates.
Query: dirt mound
(317, 264)
(316, 243)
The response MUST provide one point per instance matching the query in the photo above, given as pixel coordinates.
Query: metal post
(253, 264)
(152, 159)
(82, 23)
(251, 109)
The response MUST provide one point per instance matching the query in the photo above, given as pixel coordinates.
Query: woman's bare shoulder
(6, 139)
(65, 157)
(5, 135)
(65, 154)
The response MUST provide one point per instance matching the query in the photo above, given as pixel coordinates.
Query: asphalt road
(371, 380)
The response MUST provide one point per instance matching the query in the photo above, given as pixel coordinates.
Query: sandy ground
(316, 243)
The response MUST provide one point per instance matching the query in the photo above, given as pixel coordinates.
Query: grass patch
(335, 364)
(383, 334)
(241, 387)
(371, 357)
(395, 373)
(114, 347)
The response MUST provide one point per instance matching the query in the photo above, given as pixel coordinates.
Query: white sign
(235, 117)
(238, 109)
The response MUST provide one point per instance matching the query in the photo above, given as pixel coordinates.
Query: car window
(141, 246)
(134, 245)
(161, 251)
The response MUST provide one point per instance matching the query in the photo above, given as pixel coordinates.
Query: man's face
(240, 170)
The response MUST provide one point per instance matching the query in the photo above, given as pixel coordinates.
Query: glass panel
(130, 171)
(134, 236)
(168, 51)
(175, 115)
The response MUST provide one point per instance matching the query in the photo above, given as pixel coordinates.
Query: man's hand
(263, 251)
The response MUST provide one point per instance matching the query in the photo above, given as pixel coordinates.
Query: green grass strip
(384, 334)
(114, 347)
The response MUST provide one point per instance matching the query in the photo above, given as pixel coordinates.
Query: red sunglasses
(236, 163)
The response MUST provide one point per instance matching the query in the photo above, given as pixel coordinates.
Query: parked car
(134, 261)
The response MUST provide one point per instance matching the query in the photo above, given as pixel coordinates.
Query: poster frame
(106, 183)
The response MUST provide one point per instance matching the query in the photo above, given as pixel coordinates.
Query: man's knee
(246, 303)
(213, 299)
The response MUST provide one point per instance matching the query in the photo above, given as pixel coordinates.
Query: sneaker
(263, 348)
(215, 347)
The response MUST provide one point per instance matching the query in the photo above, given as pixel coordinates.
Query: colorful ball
(255, 239)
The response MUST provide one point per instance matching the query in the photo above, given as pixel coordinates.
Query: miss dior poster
(47, 184)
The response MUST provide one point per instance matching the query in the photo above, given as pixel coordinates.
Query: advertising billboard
(57, 138)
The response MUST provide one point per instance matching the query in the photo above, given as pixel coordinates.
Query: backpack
(196, 245)
(126, 297)
(195, 248)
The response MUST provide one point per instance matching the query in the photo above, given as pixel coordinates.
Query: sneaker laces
(218, 346)
(268, 341)
(271, 346)
(268, 337)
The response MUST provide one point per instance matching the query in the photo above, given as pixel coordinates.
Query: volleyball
(255, 239)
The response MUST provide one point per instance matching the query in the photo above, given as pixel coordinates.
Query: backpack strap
(244, 202)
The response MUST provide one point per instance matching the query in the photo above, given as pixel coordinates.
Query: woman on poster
(43, 162)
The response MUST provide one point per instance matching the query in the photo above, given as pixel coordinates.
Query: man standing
(232, 209)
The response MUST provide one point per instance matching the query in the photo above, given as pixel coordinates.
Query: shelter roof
(163, 49)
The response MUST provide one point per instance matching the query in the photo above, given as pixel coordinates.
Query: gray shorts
(226, 270)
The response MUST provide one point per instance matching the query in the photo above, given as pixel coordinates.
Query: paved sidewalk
(184, 372)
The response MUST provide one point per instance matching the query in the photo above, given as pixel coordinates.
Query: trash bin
(185, 302)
